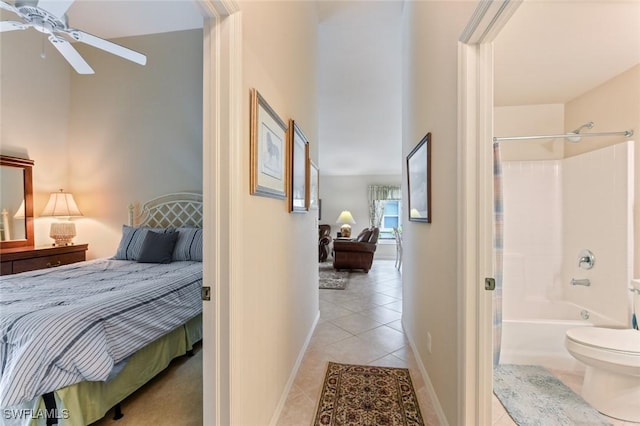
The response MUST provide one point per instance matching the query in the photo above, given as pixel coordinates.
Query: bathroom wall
(598, 215)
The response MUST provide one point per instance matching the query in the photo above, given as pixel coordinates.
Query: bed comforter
(74, 323)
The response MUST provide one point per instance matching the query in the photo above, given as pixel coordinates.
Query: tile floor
(362, 325)
(358, 325)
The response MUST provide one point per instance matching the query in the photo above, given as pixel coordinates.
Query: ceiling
(549, 52)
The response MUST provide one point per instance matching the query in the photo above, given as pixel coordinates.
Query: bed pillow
(132, 239)
(189, 245)
(158, 247)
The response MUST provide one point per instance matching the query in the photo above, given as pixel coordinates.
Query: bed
(78, 339)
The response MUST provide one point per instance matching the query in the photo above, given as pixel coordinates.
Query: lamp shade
(61, 204)
(20, 212)
(345, 217)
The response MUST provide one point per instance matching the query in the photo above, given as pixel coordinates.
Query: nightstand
(24, 259)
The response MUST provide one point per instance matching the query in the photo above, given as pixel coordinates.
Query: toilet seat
(625, 341)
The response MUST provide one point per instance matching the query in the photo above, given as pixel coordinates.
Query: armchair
(358, 253)
(324, 239)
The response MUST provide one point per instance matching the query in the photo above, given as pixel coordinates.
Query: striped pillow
(189, 245)
(132, 238)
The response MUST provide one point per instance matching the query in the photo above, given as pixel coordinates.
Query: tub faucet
(585, 282)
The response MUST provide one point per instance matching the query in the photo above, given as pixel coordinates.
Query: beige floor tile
(386, 337)
(356, 323)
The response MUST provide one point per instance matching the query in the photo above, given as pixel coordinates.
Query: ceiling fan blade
(55, 7)
(9, 7)
(108, 46)
(71, 55)
(12, 26)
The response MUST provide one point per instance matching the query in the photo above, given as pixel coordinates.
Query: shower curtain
(497, 250)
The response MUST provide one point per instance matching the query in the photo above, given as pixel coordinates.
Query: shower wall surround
(552, 210)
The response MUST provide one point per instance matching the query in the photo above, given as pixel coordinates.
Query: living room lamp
(346, 219)
(62, 205)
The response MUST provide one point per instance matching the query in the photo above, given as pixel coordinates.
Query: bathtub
(540, 341)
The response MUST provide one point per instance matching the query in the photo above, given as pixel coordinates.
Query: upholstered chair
(358, 253)
(324, 241)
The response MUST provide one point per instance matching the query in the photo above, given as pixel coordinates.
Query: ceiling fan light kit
(49, 17)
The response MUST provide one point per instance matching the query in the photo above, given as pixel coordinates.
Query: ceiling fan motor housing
(42, 20)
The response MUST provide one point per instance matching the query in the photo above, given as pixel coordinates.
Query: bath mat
(534, 397)
(357, 395)
(332, 279)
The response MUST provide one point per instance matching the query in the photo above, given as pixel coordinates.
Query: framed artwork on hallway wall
(314, 186)
(268, 157)
(298, 153)
(419, 181)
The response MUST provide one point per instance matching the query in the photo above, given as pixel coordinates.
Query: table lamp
(62, 205)
(346, 219)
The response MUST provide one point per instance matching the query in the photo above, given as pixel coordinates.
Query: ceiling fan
(49, 17)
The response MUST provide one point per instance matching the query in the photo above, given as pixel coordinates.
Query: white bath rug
(534, 397)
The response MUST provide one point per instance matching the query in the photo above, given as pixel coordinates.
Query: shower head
(577, 138)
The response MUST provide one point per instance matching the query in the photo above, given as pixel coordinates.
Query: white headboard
(168, 211)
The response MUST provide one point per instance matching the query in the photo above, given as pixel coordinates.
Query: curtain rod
(626, 133)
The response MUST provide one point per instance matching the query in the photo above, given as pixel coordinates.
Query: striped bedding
(74, 323)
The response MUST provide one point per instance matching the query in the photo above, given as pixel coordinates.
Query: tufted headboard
(169, 211)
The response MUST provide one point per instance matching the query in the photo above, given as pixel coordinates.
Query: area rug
(363, 395)
(533, 396)
(332, 279)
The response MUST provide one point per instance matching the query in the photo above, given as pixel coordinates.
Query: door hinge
(206, 293)
(489, 284)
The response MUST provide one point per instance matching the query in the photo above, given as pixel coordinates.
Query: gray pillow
(189, 244)
(157, 247)
(132, 239)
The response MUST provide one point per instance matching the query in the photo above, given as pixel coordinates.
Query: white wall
(430, 269)
(278, 296)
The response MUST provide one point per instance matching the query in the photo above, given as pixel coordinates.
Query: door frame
(475, 197)
(222, 134)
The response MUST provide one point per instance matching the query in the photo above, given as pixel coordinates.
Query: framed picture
(419, 181)
(314, 186)
(268, 150)
(298, 152)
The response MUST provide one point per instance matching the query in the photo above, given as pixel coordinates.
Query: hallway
(358, 325)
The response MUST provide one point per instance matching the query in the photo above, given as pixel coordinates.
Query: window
(390, 218)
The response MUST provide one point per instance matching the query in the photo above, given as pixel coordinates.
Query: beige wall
(430, 270)
(612, 106)
(278, 298)
(125, 134)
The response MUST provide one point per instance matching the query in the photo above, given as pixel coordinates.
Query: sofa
(357, 253)
(324, 240)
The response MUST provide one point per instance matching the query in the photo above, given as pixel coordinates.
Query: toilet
(612, 377)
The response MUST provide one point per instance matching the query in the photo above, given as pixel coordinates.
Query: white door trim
(475, 220)
(222, 118)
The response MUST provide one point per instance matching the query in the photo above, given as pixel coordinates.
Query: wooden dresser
(22, 259)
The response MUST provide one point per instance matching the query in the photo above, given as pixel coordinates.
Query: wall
(340, 193)
(430, 269)
(527, 120)
(278, 295)
(135, 132)
(612, 106)
(34, 114)
(125, 134)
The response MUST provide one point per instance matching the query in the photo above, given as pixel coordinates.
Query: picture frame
(314, 186)
(268, 175)
(419, 181)
(298, 155)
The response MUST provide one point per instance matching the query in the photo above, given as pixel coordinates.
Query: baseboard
(427, 381)
(294, 373)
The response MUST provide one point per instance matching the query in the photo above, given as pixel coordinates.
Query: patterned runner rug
(332, 279)
(533, 396)
(363, 395)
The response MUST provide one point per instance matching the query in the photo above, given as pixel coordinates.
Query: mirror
(16, 202)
